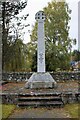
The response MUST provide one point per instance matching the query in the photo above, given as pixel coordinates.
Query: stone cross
(40, 17)
(41, 79)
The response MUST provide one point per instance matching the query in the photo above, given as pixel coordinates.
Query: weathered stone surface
(41, 80)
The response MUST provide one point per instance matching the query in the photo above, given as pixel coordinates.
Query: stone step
(39, 94)
(37, 104)
(40, 98)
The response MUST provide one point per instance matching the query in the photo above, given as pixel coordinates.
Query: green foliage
(13, 57)
(16, 56)
(58, 43)
(32, 56)
(76, 55)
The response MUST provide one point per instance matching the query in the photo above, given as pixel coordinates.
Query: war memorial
(41, 88)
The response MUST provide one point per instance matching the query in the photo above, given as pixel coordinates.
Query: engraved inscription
(41, 57)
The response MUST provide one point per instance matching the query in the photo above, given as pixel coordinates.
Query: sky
(34, 6)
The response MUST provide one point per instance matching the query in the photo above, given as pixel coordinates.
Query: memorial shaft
(41, 47)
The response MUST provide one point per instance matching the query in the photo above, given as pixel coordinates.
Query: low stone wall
(16, 76)
(66, 75)
(70, 97)
(9, 98)
(22, 76)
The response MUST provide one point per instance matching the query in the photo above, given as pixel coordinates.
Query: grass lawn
(7, 110)
(0, 111)
(73, 110)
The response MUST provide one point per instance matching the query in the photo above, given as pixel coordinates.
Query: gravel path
(69, 86)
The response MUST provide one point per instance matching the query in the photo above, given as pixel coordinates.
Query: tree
(76, 55)
(58, 43)
(31, 56)
(19, 55)
(10, 12)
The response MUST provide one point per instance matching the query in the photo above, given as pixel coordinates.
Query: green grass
(7, 110)
(0, 111)
(73, 110)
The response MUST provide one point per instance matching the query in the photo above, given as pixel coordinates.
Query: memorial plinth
(41, 79)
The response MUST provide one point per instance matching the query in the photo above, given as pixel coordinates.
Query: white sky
(34, 6)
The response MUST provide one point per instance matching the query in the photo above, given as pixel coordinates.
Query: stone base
(41, 80)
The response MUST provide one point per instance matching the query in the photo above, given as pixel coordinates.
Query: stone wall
(66, 75)
(58, 76)
(9, 98)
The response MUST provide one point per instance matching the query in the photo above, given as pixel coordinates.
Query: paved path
(40, 113)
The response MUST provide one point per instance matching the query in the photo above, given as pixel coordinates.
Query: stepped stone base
(41, 80)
